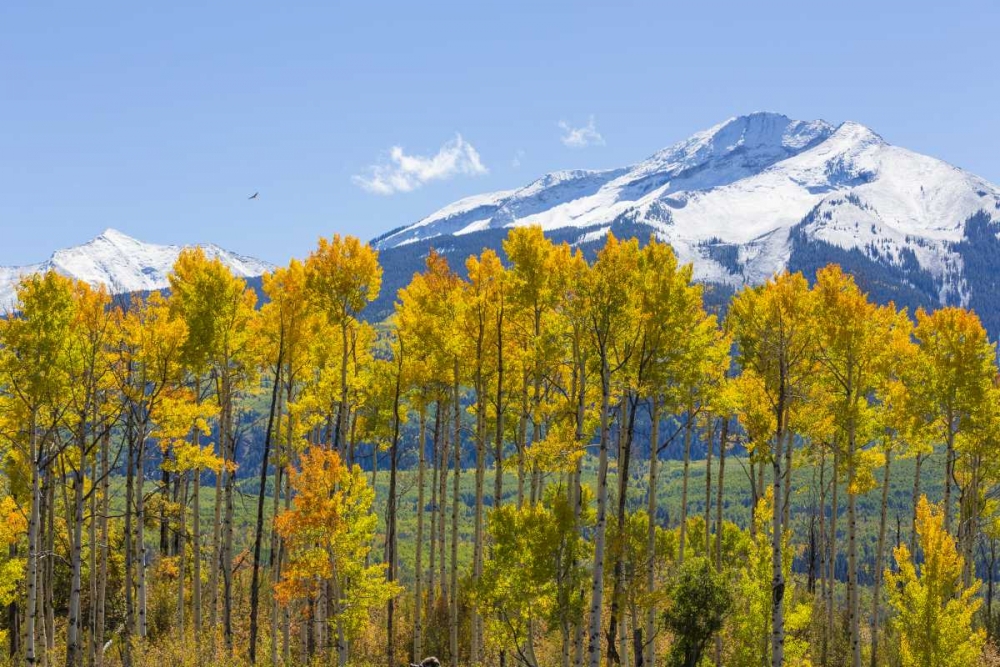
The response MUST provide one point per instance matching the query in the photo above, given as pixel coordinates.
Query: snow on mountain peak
(761, 131)
(121, 263)
(115, 236)
(746, 184)
(761, 134)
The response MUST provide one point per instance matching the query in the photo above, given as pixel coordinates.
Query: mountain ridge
(746, 198)
(740, 182)
(122, 263)
(755, 195)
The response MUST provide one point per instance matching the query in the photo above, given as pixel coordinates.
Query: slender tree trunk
(41, 608)
(276, 545)
(597, 591)
(102, 572)
(536, 402)
(182, 478)
(179, 495)
(989, 588)
(165, 498)
(196, 593)
(227, 538)
(623, 640)
(453, 616)
(33, 540)
(418, 565)
(970, 510)
(259, 528)
(327, 598)
(578, 630)
(580, 384)
(949, 473)
(654, 457)
(529, 648)
(374, 485)
(343, 646)
(498, 442)
(688, 427)
(95, 475)
(307, 645)
(708, 492)
(50, 570)
(786, 504)
(638, 644)
(443, 512)
(879, 558)
(196, 532)
(140, 536)
(341, 431)
(777, 572)
(286, 620)
(824, 579)
(498, 437)
(74, 654)
(13, 620)
(129, 548)
(831, 626)
(757, 478)
(811, 566)
(435, 461)
(624, 459)
(565, 648)
(723, 443)
(391, 512)
(216, 556)
(478, 532)
(521, 441)
(853, 595)
(916, 499)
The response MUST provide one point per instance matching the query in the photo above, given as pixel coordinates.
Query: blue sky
(160, 119)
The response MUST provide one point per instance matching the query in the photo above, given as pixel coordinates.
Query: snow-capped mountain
(758, 194)
(121, 263)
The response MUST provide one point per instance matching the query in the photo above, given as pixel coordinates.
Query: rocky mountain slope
(758, 194)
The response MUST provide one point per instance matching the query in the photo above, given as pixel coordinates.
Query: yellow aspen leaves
(934, 611)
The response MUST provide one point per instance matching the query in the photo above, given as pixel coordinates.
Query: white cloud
(516, 162)
(405, 173)
(581, 137)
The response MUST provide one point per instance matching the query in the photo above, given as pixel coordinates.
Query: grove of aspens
(536, 460)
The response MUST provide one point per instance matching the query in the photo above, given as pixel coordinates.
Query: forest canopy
(483, 475)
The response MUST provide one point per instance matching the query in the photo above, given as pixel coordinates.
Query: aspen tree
(218, 309)
(328, 532)
(34, 350)
(857, 344)
(952, 389)
(934, 609)
(483, 296)
(343, 276)
(610, 313)
(771, 327)
(88, 417)
(283, 336)
(420, 317)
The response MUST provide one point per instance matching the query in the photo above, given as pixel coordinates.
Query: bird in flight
(253, 196)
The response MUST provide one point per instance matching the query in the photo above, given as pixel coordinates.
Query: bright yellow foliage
(934, 612)
(13, 527)
(747, 632)
(216, 307)
(343, 276)
(34, 342)
(329, 532)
